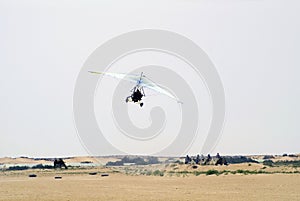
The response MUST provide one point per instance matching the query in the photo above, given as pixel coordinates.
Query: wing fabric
(151, 85)
(145, 82)
(121, 76)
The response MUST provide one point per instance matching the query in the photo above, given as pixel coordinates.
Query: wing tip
(94, 72)
(180, 102)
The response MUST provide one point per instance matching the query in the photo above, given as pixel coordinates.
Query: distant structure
(187, 160)
(207, 160)
(220, 160)
(59, 163)
(197, 159)
(201, 160)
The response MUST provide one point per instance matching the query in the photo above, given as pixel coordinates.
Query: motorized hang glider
(141, 81)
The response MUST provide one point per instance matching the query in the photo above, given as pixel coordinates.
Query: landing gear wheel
(141, 104)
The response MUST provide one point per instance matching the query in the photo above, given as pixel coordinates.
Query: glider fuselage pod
(137, 93)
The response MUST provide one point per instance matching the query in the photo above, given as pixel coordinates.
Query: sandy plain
(79, 185)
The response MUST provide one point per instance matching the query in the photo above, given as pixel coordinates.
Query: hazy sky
(254, 44)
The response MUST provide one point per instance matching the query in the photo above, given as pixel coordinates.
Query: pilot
(137, 96)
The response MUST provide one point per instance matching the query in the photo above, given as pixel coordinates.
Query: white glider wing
(141, 81)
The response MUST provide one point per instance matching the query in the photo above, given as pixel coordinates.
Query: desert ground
(178, 182)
